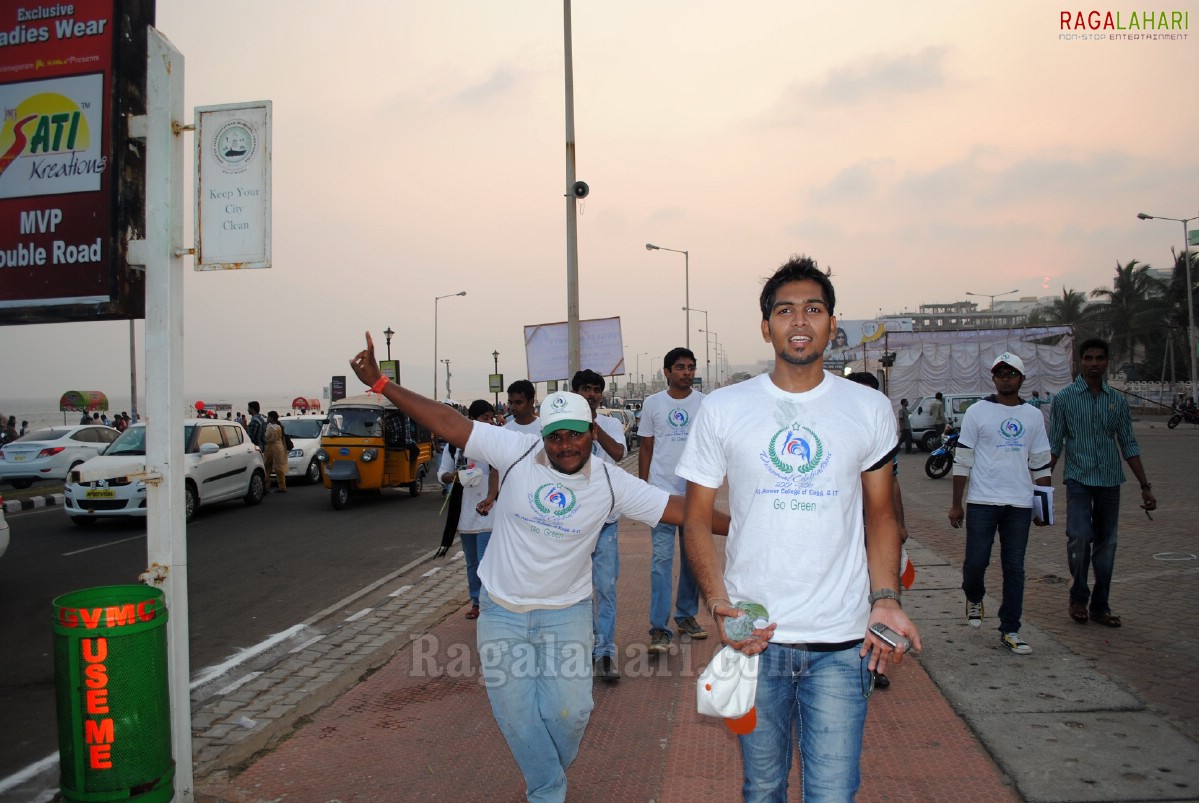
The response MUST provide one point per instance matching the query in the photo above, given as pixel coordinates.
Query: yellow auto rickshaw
(369, 444)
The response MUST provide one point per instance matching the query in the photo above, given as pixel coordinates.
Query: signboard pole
(166, 531)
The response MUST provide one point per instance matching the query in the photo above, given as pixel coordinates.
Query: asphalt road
(253, 572)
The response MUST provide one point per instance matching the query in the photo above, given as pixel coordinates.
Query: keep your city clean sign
(233, 186)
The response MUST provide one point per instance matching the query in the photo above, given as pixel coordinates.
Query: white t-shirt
(794, 463)
(546, 523)
(668, 421)
(1003, 440)
(533, 427)
(470, 521)
(616, 432)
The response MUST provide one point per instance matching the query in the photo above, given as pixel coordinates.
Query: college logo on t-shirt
(552, 499)
(678, 418)
(795, 454)
(1011, 428)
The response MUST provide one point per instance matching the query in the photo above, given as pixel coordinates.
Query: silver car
(49, 454)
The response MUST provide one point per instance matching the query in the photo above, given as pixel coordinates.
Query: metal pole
(449, 395)
(1186, 258)
(435, 300)
(687, 294)
(572, 236)
(495, 356)
(132, 372)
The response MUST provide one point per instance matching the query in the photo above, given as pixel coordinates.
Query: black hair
(525, 388)
(673, 356)
(1094, 343)
(586, 377)
(479, 407)
(863, 378)
(253, 407)
(797, 269)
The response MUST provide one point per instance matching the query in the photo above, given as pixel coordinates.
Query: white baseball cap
(565, 410)
(1007, 358)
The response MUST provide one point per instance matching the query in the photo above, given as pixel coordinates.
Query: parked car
(49, 454)
(3, 529)
(922, 420)
(305, 434)
(219, 460)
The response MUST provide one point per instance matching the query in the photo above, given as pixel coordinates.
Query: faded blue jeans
(1092, 512)
(661, 580)
(474, 545)
(605, 568)
(537, 670)
(1012, 523)
(819, 699)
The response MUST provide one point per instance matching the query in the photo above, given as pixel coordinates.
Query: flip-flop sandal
(1078, 613)
(473, 613)
(1106, 619)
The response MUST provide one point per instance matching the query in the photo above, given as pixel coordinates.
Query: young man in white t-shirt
(666, 419)
(608, 446)
(522, 407)
(535, 623)
(1003, 447)
(807, 457)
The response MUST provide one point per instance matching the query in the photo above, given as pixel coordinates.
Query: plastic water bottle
(741, 627)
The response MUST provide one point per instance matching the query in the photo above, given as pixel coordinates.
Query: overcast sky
(920, 149)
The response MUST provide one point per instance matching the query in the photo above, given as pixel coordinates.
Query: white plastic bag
(727, 688)
(471, 475)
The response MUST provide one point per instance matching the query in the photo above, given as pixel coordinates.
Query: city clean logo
(678, 418)
(552, 499)
(1011, 428)
(795, 454)
(234, 146)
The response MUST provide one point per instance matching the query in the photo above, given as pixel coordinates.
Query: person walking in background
(535, 623)
(804, 454)
(1091, 422)
(10, 429)
(607, 445)
(666, 419)
(472, 495)
(936, 408)
(522, 399)
(905, 426)
(257, 426)
(24, 428)
(1002, 440)
(274, 452)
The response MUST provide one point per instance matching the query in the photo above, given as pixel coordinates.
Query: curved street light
(435, 300)
(1186, 258)
(686, 284)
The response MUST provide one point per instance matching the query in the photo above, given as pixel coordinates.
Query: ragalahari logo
(47, 124)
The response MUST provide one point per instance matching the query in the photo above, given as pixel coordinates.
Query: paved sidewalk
(381, 700)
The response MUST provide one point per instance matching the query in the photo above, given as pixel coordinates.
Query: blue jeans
(661, 578)
(605, 568)
(1092, 512)
(1012, 523)
(537, 670)
(473, 547)
(820, 699)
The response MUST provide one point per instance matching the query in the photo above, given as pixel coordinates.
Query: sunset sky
(921, 150)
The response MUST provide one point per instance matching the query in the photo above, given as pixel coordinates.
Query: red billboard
(71, 182)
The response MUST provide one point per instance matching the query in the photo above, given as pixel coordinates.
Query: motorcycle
(941, 460)
(1184, 412)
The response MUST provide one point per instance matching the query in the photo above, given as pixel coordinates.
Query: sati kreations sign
(71, 182)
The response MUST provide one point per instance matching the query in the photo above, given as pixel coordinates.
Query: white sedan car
(48, 454)
(220, 461)
(305, 434)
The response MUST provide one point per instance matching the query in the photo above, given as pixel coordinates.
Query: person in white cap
(535, 622)
(1003, 449)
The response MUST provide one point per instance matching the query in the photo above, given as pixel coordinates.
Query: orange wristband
(378, 386)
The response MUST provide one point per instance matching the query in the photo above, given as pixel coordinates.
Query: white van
(922, 420)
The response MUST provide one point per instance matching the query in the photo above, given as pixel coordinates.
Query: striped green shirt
(1096, 431)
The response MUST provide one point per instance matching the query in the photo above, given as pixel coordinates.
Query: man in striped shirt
(1091, 421)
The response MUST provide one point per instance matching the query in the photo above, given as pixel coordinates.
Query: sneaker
(692, 628)
(1016, 644)
(605, 669)
(974, 613)
(659, 641)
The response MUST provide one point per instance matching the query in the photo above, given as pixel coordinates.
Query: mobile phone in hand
(890, 637)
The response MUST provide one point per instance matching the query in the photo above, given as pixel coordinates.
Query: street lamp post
(707, 359)
(686, 284)
(716, 346)
(1186, 259)
(435, 300)
(387, 333)
(495, 358)
(640, 378)
(991, 296)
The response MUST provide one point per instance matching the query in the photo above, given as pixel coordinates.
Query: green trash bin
(114, 716)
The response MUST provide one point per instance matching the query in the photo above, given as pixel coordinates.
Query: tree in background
(1134, 314)
(1069, 310)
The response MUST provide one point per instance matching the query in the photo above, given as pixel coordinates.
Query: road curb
(33, 503)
